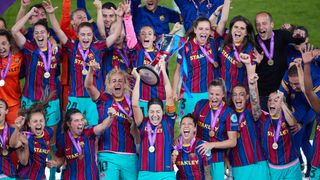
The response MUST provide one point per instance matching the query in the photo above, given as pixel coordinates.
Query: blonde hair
(116, 70)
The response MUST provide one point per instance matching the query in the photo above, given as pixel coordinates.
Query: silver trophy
(167, 45)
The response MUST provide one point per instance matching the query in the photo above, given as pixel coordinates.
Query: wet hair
(293, 71)
(42, 22)
(67, 118)
(84, 24)
(125, 78)
(190, 33)
(155, 101)
(267, 13)
(5, 103)
(4, 22)
(249, 38)
(77, 10)
(14, 48)
(108, 5)
(189, 115)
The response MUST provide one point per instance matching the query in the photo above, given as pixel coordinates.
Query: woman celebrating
(33, 145)
(11, 60)
(77, 146)
(116, 152)
(80, 53)
(247, 158)
(217, 124)
(185, 151)
(275, 134)
(7, 170)
(240, 39)
(156, 132)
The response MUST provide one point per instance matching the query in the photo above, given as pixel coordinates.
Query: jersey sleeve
(232, 122)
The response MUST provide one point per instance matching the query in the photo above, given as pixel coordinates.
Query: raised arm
(167, 85)
(286, 111)
(129, 29)
(224, 17)
(137, 112)
(100, 24)
(98, 129)
(88, 83)
(307, 56)
(176, 79)
(54, 22)
(116, 26)
(16, 29)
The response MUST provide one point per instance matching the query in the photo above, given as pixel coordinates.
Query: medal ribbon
(214, 116)
(236, 54)
(151, 135)
(123, 54)
(27, 133)
(181, 144)
(241, 118)
(205, 52)
(84, 55)
(76, 143)
(264, 48)
(3, 136)
(276, 134)
(47, 62)
(4, 71)
(122, 109)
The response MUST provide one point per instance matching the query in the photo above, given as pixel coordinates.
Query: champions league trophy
(167, 45)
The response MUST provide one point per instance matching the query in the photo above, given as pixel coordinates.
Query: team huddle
(97, 101)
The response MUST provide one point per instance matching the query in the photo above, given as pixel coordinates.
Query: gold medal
(215, 64)
(270, 62)
(211, 133)
(152, 149)
(292, 96)
(175, 152)
(239, 65)
(84, 72)
(275, 146)
(4, 152)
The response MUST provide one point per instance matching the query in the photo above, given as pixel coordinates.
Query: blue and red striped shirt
(39, 148)
(286, 152)
(316, 142)
(78, 166)
(227, 121)
(229, 72)
(35, 84)
(160, 159)
(117, 137)
(76, 66)
(191, 165)
(200, 71)
(6, 166)
(248, 150)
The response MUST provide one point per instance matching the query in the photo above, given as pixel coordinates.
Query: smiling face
(3, 111)
(85, 36)
(187, 128)
(147, 37)
(41, 35)
(274, 104)
(37, 123)
(264, 26)
(155, 114)
(216, 95)
(294, 83)
(116, 85)
(239, 98)
(78, 17)
(202, 31)
(76, 124)
(239, 31)
(108, 17)
(4, 46)
(151, 5)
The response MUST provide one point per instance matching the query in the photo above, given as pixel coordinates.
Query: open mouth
(238, 103)
(186, 132)
(203, 37)
(263, 32)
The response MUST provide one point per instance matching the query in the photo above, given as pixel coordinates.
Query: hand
(204, 148)
(245, 58)
(23, 139)
(173, 158)
(119, 12)
(295, 128)
(97, 4)
(93, 66)
(126, 5)
(175, 95)
(280, 95)
(286, 26)
(162, 63)
(19, 122)
(307, 53)
(47, 5)
(177, 26)
(25, 3)
(218, 10)
(257, 56)
(135, 73)
(51, 163)
(111, 112)
(253, 78)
